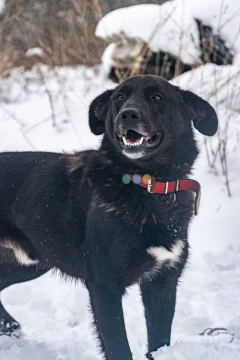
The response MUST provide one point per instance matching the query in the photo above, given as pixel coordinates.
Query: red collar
(174, 186)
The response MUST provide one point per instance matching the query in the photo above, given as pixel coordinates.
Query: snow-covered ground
(54, 313)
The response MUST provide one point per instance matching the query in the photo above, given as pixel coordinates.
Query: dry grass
(64, 30)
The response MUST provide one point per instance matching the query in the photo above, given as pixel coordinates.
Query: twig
(50, 98)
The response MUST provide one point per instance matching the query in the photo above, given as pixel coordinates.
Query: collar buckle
(149, 186)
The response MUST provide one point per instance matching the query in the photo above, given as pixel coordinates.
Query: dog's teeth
(124, 140)
(129, 144)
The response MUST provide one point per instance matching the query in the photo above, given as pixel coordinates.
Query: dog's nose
(129, 114)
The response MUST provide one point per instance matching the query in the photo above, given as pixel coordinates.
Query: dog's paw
(10, 328)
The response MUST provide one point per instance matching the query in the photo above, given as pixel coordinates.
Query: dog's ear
(201, 112)
(98, 112)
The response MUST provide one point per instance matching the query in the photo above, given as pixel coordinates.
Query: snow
(35, 52)
(171, 27)
(107, 60)
(2, 4)
(54, 313)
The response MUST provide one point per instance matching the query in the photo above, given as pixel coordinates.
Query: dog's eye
(156, 97)
(120, 97)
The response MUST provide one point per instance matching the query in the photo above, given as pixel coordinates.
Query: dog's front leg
(159, 299)
(107, 310)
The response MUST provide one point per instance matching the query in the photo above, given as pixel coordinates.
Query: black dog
(74, 212)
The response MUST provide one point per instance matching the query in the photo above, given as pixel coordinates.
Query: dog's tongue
(132, 136)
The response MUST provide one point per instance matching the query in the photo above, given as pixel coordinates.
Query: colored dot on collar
(146, 178)
(136, 179)
(126, 179)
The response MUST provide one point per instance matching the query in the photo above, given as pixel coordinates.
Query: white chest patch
(21, 256)
(162, 255)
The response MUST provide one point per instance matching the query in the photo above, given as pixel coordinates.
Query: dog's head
(147, 117)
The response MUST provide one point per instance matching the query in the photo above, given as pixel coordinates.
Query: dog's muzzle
(132, 131)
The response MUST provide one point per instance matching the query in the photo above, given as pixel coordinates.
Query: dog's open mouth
(134, 139)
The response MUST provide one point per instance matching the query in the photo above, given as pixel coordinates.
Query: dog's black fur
(74, 213)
